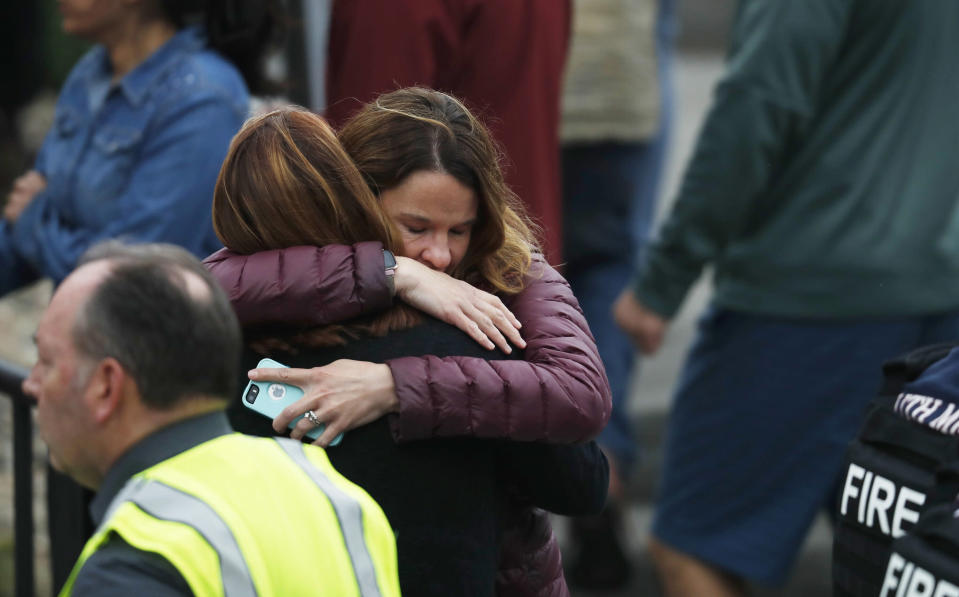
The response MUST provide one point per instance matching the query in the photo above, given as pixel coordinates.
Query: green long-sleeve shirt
(825, 180)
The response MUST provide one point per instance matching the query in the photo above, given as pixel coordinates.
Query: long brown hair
(413, 129)
(286, 181)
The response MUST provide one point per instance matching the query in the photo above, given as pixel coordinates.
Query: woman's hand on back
(343, 395)
(478, 313)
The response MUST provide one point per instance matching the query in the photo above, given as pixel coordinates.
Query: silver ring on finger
(312, 418)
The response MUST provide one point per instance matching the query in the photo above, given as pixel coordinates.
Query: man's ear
(105, 390)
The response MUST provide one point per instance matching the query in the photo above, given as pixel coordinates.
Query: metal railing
(11, 378)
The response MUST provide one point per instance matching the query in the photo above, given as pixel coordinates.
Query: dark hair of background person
(241, 30)
(414, 129)
(177, 341)
(285, 182)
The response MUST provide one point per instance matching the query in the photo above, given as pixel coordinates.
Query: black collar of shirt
(162, 444)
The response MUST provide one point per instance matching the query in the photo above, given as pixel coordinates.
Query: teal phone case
(271, 398)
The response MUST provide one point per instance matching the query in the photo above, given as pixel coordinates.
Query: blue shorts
(762, 415)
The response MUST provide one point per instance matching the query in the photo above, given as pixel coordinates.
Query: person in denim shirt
(141, 126)
(136, 145)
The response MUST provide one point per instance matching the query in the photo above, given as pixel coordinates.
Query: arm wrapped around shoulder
(303, 285)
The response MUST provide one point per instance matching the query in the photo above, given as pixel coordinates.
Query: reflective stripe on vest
(167, 503)
(349, 513)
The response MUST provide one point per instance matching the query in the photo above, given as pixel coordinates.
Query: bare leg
(684, 576)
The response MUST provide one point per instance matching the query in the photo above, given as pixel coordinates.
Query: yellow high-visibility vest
(240, 516)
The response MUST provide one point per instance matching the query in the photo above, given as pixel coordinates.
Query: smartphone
(270, 398)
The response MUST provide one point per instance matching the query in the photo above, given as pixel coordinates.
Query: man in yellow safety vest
(138, 353)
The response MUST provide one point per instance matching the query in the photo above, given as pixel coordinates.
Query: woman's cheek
(459, 249)
(407, 239)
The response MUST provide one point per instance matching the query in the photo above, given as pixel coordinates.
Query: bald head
(156, 310)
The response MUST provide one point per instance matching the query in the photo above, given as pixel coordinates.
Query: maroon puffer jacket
(559, 393)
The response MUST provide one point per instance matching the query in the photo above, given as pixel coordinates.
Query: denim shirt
(136, 159)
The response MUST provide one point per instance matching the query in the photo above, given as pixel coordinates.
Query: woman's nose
(437, 255)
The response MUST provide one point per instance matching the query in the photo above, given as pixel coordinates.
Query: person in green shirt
(823, 192)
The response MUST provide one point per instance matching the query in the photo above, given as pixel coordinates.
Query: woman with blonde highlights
(436, 173)
(420, 130)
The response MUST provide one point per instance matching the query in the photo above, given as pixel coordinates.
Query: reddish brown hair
(286, 181)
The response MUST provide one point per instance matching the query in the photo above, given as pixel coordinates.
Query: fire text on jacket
(872, 496)
(906, 579)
